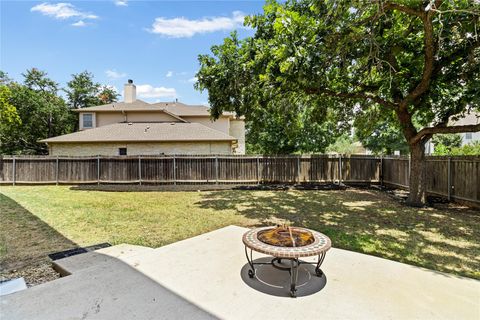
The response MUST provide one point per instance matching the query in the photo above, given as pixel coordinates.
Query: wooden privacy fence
(189, 169)
(452, 177)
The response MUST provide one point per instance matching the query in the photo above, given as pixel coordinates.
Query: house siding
(150, 116)
(140, 148)
(222, 124)
(237, 130)
(106, 118)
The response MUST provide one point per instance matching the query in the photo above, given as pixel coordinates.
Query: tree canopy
(38, 113)
(33, 109)
(416, 60)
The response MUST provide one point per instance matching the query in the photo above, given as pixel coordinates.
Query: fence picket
(451, 177)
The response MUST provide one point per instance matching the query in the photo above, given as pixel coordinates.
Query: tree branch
(436, 130)
(350, 95)
(394, 6)
(429, 60)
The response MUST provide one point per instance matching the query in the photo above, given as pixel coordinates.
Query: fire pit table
(286, 243)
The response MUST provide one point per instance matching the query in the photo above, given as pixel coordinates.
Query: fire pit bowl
(289, 243)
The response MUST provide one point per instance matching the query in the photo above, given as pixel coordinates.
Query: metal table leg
(321, 257)
(293, 277)
(251, 272)
(293, 270)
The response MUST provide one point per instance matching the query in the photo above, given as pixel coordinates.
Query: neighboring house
(470, 118)
(135, 127)
(467, 137)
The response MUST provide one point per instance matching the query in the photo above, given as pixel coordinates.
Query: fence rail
(451, 177)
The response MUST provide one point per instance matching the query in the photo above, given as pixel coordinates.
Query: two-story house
(135, 127)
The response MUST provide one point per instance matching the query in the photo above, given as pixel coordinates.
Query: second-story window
(87, 120)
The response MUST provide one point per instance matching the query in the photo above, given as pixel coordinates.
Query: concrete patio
(206, 277)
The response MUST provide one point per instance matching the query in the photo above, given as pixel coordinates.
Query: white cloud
(185, 28)
(79, 23)
(169, 74)
(121, 3)
(192, 80)
(148, 91)
(113, 74)
(62, 11)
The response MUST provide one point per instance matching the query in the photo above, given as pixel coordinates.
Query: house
(469, 118)
(467, 137)
(135, 127)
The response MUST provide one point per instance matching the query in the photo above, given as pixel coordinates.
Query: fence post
(381, 170)
(339, 169)
(98, 169)
(409, 168)
(56, 172)
(449, 178)
(258, 170)
(174, 171)
(216, 169)
(140, 170)
(299, 167)
(13, 170)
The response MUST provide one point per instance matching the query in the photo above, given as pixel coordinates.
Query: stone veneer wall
(140, 148)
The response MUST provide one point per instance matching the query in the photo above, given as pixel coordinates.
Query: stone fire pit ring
(319, 247)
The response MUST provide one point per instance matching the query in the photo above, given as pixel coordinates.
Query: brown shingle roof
(176, 108)
(139, 132)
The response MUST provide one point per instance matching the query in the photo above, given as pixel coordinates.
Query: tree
(40, 113)
(108, 95)
(285, 126)
(379, 132)
(82, 91)
(343, 145)
(444, 143)
(416, 59)
(8, 113)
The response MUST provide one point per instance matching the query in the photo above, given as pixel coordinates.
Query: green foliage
(107, 95)
(33, 110)
(286, 126)
(471, 149)
(343, 145)
(354, 61)
(379, 132)
(41, 114)
(82, 91)
(447, 141)
(8, 112)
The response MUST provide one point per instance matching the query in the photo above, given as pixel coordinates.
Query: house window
(87, 120)
(468, 136)
(122, 151)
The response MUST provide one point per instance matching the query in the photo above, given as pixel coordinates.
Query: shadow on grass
(369, 222)
(24, 238)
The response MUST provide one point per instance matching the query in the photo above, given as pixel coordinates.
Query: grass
(43, 219)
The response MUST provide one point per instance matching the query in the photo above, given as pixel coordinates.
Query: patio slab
(205, 277)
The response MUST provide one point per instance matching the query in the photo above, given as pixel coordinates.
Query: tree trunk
(417, 185)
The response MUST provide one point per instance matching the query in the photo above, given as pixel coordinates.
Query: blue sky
(155, 43)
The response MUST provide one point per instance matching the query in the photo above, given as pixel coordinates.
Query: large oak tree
(417, 60)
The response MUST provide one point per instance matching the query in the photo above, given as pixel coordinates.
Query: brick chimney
(130, 92)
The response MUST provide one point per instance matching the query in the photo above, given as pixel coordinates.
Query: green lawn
(42, 219)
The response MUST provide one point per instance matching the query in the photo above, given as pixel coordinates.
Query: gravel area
(33, 274)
